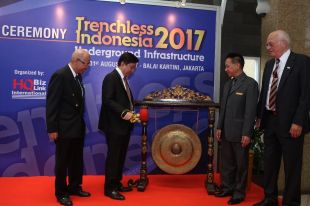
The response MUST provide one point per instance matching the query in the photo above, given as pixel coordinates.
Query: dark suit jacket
(65, 105)
(293, 96)
(238, 108)
(114, 102)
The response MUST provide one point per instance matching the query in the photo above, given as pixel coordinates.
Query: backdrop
(174, 45)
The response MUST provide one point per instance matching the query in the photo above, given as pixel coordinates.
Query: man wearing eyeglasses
(115, 115)
(66, 126)
(283, 113)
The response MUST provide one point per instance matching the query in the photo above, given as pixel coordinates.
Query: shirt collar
(73, 72)
(120, 72)
(285, 56)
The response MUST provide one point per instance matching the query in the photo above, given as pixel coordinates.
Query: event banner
(175, 46)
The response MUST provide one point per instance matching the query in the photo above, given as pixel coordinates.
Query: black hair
(127, 58)
(236, 58)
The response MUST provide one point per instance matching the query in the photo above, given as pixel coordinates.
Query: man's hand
(218, 134)
(295, 130)
(257, 123)
(128, 116)
(53, 135)
(245, 140)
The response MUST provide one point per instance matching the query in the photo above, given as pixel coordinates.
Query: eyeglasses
(80, 60)
(271, 44)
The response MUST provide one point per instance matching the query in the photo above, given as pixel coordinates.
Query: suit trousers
(116, 155)
(68, 161)
(292, 151)
(234, 168)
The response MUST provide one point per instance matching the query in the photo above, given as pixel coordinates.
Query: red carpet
(163, 190)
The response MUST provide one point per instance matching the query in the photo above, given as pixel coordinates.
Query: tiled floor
(305, 200)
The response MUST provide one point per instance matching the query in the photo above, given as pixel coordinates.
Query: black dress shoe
(79, 192)
(114, 194)
(267, 202)
(234, 201)
(218, 191)
(64, 201)
(223, 194)
(124, 189)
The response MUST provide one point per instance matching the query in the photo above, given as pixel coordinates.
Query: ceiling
(7, 2)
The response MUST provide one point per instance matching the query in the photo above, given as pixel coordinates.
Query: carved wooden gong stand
(176, 97)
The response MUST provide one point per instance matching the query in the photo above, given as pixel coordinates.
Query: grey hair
(78, 54)
(283, 36)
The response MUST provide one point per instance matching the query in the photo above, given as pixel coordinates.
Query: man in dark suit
(65, 125)
(283, 113)
(235, 128)
(115, 115)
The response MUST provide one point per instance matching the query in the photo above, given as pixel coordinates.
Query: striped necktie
(128, 93)
(274, 87)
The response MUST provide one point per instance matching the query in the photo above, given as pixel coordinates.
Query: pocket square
(239, 93)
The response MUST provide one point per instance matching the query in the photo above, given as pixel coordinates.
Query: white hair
(283, 36)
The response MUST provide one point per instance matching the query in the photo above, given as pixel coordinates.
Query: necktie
(128, 93)
(233, 83)
(274, 87)
(78, 78)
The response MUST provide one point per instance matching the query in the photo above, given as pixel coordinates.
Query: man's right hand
(53, 135)
(128, 116)
(257, 123)
(218, 134)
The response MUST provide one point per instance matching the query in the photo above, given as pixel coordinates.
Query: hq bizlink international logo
(28, 89)
(28, 84)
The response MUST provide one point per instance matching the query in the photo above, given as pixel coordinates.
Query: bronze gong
(176, 149)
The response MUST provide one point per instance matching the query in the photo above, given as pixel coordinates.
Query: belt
(274, 113)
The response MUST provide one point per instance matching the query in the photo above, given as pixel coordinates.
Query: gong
(176, 149)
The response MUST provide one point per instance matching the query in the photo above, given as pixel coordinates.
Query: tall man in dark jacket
(115, 115)
(235, 128)
(65, 125)
(283, 112)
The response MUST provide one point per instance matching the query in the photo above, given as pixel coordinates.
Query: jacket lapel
(120, 80)
(287, 69)
(238, 83)
(269, 69)
(226, 90)
(76, 87)
(81, 87)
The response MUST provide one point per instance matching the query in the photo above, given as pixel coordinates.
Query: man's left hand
(295, 130)
(245, 140)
